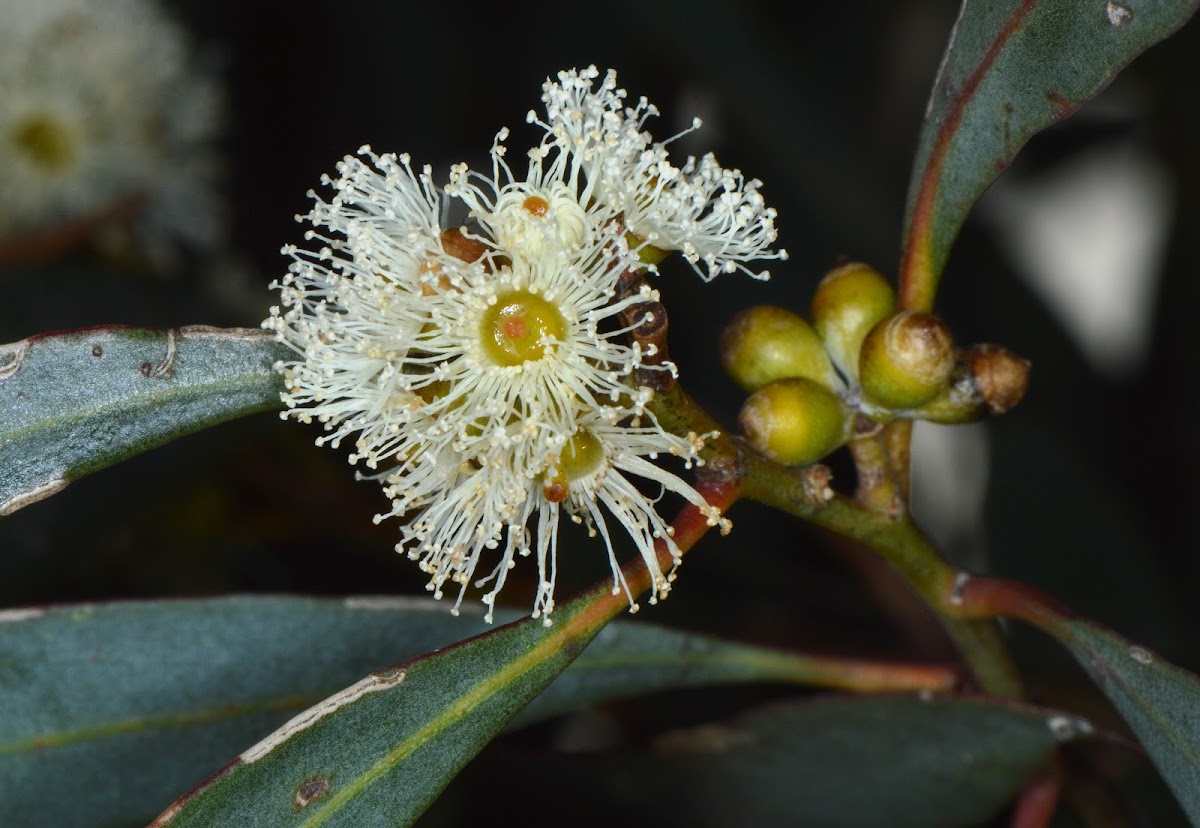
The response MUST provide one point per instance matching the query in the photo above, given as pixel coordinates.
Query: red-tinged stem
(1094, 800)
(903, 546)
(690, 525)
(1036, 804)
(882, 677)
(985, 597)
(734, 470)
(60, 240)
(918, 273)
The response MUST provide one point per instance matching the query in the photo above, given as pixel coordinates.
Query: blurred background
(1082, 258)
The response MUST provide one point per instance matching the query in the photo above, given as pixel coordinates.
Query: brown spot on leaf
(310, 790)
(97, 351)
(147, 369)
(1060, 102)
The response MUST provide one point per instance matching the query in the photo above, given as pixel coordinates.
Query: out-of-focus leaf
(75, 402)
(838, 762)
(629, 659)
(1160, 701)
(135, 702)
(1011, 69)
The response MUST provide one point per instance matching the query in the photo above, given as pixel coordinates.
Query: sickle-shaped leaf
(1160, 701)
(1012, 68)
(835, 762)
(378, 752)
(134, 702)
(75, 402)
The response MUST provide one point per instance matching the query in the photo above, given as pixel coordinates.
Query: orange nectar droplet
(537, 205)
(556, 492)
(514, 327)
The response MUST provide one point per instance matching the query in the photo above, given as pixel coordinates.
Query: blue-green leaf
(834, 762)
(136, 702)
(1160, 701)
(1012, 68)
(75, 402)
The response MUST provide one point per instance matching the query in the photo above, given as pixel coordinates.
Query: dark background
(1091, 479)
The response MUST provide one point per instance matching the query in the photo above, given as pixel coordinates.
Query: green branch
(800, 492)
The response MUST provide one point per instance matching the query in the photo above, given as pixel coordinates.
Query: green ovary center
(46, 141)
(514, 329)
(582, 455)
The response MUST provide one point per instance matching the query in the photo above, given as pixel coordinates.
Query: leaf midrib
(162, 722)
(170, 394)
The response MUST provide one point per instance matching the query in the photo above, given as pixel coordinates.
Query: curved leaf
(630, 659)
(1011, 69)
(75, 402)
(137, 701)
(380, 751)
(837, 762)
(1160, 701)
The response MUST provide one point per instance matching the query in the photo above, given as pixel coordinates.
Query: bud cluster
(860, 357)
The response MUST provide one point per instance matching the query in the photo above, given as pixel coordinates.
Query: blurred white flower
(483, 372)
(103, 115)
(712, 215)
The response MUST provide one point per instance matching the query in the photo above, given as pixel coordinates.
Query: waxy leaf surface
(136, 702)
(836, 762)
(1160, 701)
(74, 402)
(1012, 68)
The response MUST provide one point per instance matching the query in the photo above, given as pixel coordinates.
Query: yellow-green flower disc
(850, 300)
(906, 360)
(517, 327)
(581, 456)
(46, 141)
(767, 343)
(795, 421)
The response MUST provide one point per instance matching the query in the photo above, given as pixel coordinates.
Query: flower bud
(795, 421)
(767, 343)
(847, 304)
(1000, 376)
(987, 380)
(905, 360)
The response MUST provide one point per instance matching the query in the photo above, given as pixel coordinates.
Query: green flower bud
(795, 421)
(766, 343)
(906, 360)
(847, 304)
